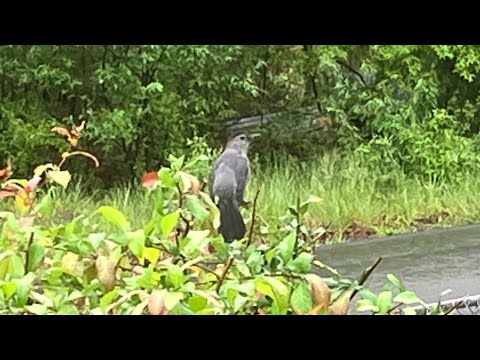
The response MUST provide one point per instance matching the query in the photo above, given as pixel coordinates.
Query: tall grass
(350, 191)
(353, 192)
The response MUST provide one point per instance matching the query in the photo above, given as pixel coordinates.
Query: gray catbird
(228, 181)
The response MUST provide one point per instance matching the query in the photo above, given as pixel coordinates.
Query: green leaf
(197, 240)
(149, 279)
(136, 243)
(255, 262)
(302, 263)
(396, 282)
(4, 264)
(368, 295)
(311, 200)
(9, 289)
(114, 216)
(46, 205)
(197, 303)
(71, 265)
(172, 299)
(61, 177)
(181, 309)
(35, 256)
(242, 268)
(215, 212)
(75, 294)
(277, 291)
(301, 299)
(287, 245)
(154, 87)
(16, 269)
(175, 276)
(166, 177)
(107, 299)
(194, 205)
(176, 163)
(96, 239)
(68, 309)
(239, 302)
(37, 309)
(384, 302)
(116, 254)
(366, 305)
(407, 297)
(151, 254)
(169, 222)
(23, 288)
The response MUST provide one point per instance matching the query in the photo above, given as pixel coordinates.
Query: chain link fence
(468, 305)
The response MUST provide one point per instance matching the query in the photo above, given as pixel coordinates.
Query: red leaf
(27, 221)
(150, 179)
(84, 153)
(78, 130)
(4, 193)
(6, 173)
(14, 188)
(32, 184)
(61, 131)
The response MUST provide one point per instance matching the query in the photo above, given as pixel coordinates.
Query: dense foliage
(176, 263)
(409, 107)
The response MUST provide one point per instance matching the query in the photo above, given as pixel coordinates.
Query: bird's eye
(243, 137)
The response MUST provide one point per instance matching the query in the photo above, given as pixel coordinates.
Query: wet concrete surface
(427, 262)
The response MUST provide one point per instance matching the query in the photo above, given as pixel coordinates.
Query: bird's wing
(242, 174)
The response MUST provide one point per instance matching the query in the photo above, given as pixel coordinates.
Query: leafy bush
(176, 263)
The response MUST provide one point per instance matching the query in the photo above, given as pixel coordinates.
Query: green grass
(352, 193)
(389, 204)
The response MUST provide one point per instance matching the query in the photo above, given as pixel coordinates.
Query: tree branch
(313, 83)
(356, 72)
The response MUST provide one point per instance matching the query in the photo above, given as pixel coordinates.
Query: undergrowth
(104, 260)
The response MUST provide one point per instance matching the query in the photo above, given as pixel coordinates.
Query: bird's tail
(232, 226)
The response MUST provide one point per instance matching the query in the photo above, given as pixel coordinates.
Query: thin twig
(365, 275)
(185, 220)
(250, 235)
(356, 72)
(204, 268)
(277, 274)
(224, 273)
(308, 50)
(30, 241)
(394, 308)
(298, 226)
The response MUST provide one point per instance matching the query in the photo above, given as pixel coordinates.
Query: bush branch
(365, 275)
(250, 235)
(224, 273)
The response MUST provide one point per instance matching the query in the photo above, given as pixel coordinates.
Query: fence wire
(468, 305)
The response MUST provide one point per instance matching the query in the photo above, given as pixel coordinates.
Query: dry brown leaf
(191, 181)
(156, 302)
(341, 305)
(321, 292)
(105, 272)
